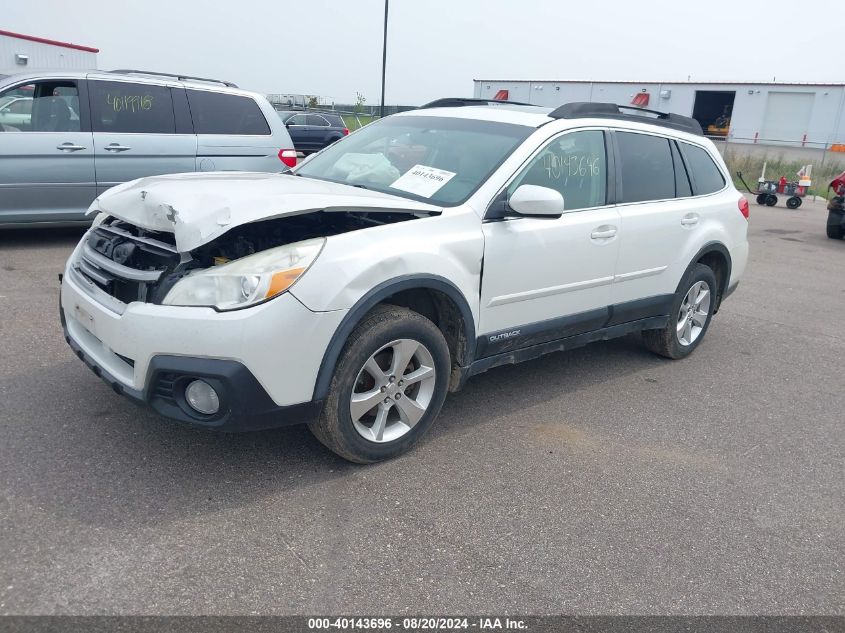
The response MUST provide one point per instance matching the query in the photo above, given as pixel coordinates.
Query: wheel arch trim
(373, 298)
(712, 247)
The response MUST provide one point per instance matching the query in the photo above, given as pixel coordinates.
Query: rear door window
(219, 113)
(131, 108)
(706, 177)
(316, 120)
(646, 167)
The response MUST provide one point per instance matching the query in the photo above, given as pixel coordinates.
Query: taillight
(288, 157)
(742, 203)
(345, 131)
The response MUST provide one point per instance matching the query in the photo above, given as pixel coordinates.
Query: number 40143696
(571, 165)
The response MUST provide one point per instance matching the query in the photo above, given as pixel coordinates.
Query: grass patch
(354, 122)
(778, 165)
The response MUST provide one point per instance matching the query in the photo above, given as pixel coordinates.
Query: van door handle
(69, 147)
(116, 147)
(689, 220)
(603, 232)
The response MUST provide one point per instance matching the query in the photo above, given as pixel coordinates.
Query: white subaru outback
(353, 292)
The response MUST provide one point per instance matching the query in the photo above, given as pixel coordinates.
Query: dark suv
(312, 131)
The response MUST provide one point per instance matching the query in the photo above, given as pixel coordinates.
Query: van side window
(682, 186)
(646, 167)
(219, 113)
(574, 164)
(706, 177)
(44, 106)
(131, 108)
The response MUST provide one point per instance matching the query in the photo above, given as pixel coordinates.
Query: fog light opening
(202, 397)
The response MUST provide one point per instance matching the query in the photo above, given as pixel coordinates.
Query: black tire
(771, 200)
(761, 198)
(385, 323)
(793, 203)
(835, 232)
(665, 341)
(331, 141)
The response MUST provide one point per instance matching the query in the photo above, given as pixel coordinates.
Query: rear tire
(690, 316)
(398, 362)
(794, 202)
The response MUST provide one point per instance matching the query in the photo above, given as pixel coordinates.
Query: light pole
(384, 59)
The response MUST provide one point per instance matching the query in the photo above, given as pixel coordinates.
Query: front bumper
(263, 361)
(244, 404)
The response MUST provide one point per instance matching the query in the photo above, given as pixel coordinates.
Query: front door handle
(603, 232)
(116, 147)
(69, 147)
(689, 220)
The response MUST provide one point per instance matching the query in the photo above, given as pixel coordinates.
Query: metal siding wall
(827, 119)
(42, 57)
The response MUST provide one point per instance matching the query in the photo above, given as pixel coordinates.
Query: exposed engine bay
(153, 251)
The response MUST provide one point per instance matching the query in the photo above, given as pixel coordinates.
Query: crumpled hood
(199, 207)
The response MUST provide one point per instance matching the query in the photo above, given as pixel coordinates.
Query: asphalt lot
(603, 480)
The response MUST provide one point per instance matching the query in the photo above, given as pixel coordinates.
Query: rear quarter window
(706, 176)
(218, 113)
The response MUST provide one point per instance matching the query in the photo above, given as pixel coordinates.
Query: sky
(437, 47)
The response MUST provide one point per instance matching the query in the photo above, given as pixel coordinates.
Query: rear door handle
(69, 147)
(116, 147)
(689, 220)
(603, 232)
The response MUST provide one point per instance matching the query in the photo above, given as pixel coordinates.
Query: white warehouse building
(799, 115)
(27, 53)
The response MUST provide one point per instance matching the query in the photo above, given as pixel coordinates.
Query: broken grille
(124, 261)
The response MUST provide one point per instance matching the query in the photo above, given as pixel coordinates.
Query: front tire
(692, 310)
(388, 387)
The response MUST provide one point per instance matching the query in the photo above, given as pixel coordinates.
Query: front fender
(450, 247)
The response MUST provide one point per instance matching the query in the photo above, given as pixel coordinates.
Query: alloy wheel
(392, 391)
(693, 313)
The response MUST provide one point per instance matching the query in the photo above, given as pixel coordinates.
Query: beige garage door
(787, 116)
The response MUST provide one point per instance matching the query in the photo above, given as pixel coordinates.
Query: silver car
(66, 137)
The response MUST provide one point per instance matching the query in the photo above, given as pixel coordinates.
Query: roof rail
(172, 75)
(595, 110)
(457, 102)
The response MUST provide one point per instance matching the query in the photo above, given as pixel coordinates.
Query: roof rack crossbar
(126, 71)
(598, 110)
(457, 102)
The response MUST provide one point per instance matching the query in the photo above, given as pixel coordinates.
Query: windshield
(434, 159)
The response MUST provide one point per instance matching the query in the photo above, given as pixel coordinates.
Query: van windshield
(434, 159)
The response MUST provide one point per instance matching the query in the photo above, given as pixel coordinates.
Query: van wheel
(388, 386)
(690, 317)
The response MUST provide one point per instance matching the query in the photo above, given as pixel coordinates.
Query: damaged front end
(246, 265)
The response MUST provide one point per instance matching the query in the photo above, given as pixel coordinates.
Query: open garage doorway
(713, 110)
